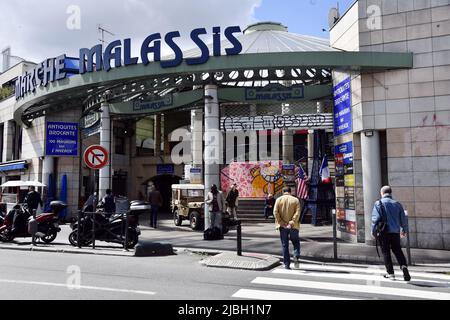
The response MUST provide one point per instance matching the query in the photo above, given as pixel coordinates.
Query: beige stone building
(405, 114)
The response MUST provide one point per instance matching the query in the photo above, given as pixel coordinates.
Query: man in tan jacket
(287, 220)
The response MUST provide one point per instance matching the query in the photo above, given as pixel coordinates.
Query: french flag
(325, 171)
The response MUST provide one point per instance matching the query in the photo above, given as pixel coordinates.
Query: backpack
(213, 234)
(381, 227)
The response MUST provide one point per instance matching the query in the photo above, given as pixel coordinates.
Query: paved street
(40, 275)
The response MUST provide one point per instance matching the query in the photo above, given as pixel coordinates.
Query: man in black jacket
(33, 199)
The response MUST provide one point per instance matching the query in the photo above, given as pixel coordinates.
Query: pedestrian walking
(216, 204)
(232, 201)
(389, 225)
(268, 208)
(287, 215)
(156, 202)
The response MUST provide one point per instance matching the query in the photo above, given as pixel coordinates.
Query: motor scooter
(16, 223)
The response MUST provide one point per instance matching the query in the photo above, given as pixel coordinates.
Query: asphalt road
(40, 275)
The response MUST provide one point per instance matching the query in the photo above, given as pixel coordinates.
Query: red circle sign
(96, 157)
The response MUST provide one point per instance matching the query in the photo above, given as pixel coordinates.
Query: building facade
(384, 75)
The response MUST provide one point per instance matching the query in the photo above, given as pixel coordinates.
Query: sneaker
(389, 276)
(406, 275)
(296, 263)
(287, 267)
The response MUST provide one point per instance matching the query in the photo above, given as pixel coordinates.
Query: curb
(68, 251)
(324, 258)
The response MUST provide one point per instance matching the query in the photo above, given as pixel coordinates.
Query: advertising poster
(345, 189)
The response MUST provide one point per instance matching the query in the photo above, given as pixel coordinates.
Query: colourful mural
(254, 179)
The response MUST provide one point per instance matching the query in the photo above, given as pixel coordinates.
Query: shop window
(145, 133)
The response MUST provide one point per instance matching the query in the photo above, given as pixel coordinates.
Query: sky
(36, 30)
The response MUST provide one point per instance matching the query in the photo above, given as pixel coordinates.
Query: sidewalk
(262, 238)
(316, 243)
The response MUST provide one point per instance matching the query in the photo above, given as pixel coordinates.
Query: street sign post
(95, 157)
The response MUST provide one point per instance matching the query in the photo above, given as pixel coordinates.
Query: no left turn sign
(96, 157)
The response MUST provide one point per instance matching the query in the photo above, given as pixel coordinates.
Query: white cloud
(36, 30)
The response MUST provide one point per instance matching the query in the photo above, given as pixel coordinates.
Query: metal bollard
(335, 253)
(93, 230)
(408, 245)
(239, 238)
(78, 229)
(126, 232)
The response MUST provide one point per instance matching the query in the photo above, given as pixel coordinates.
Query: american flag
(302, 186)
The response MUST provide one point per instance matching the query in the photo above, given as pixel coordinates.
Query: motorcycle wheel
(49, 238)
(133, 239)
(6, 236)
(73, 239)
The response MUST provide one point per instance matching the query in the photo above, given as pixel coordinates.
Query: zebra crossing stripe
(354, 276)
(277, 295)
(342, 287)
(372, 270)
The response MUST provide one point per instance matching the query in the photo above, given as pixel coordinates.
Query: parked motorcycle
(108, 229)
(48, 225)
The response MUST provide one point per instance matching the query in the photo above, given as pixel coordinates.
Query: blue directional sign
(62, 139)
(343, 108)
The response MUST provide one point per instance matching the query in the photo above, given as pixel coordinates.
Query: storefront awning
(13, 166)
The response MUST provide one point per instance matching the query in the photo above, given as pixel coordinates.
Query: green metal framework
(136, 82)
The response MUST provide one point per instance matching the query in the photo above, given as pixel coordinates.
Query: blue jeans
(286, 235)
(154, 216)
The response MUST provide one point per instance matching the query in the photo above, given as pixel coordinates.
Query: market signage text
(118, 53)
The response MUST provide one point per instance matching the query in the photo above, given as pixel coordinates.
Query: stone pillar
(371, 172)
(105, 142)
(253, 147)
(47, 169)
(288, 139)
(212, 143)
(197, 137)
(8, 141)
(157, 135)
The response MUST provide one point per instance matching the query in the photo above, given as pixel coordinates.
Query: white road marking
(277, 295)
(342, 287)
(63, 285)
(372, 270)
(354, 276)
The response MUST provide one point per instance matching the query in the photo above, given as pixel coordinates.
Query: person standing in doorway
(232, 201)
(268, 209)
(287, 215)
(389, 225)
(216, 204)
(156, 202)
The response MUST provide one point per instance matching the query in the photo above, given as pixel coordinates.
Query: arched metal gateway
(277, 73)
(270, 55)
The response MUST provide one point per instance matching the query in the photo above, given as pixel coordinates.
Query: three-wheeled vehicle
(188, 203)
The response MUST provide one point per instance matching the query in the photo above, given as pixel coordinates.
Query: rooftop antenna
(103, 30)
